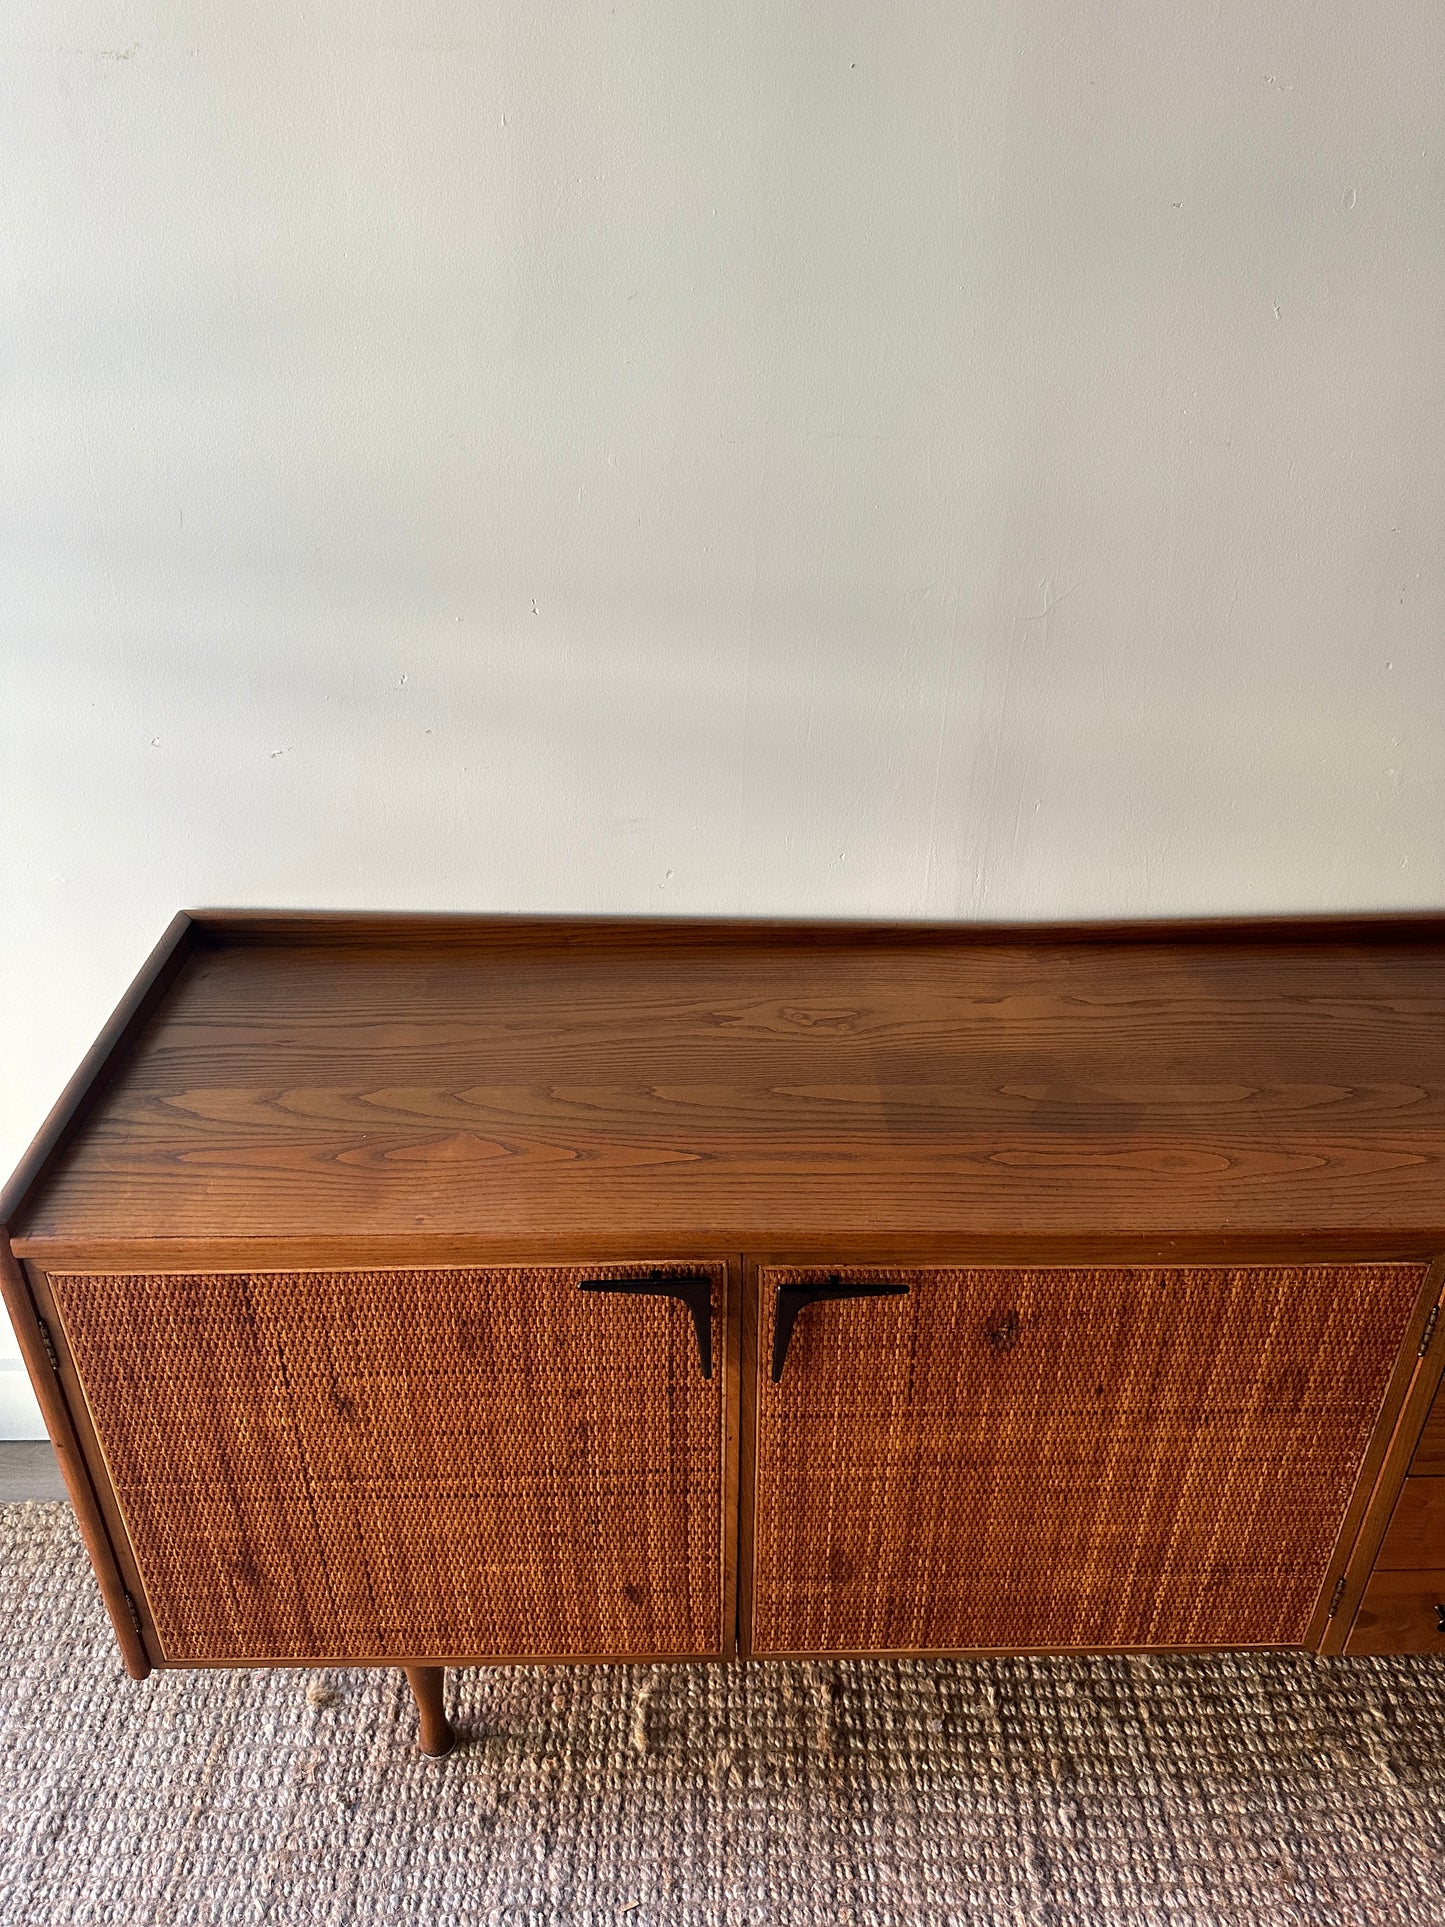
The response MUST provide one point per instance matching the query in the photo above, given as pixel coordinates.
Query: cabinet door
(1056, 1459)
(413, 1464)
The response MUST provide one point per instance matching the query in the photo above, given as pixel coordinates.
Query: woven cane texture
(1064, 1459)
(342, 1465)
(1234, 1790)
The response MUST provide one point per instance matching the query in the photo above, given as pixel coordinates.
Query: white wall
(957, 458)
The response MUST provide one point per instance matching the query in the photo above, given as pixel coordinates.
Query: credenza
(427, 1291)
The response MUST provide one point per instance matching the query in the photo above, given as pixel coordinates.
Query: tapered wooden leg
(438, 1735)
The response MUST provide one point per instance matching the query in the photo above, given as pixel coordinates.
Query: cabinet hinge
(130, 1607)
(49, 1343)
(1429, 1332)
(1336, 1596)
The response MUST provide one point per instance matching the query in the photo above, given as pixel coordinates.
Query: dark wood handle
(794, 1298)
(693, 1288)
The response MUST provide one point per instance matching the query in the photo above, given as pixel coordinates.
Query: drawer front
(1401, 1612)
(1415, 1541)
(410, 1464)
(1429, 1459)
(1062, 1459)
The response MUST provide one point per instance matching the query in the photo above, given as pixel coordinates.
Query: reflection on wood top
(728, 1085)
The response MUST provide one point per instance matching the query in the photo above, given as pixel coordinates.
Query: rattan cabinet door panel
(409, 1464)
(1062, 1459)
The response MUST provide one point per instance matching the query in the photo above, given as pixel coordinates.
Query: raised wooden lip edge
(448, 1250)
(224, 922)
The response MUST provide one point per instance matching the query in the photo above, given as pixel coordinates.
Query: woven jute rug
(1258, 1789)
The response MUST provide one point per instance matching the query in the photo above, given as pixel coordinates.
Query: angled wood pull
(794, 1298)
(693, 1288)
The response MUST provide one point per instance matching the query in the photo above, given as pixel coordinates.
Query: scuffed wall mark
(115, 53)
(1051, 602)
(1233, 603)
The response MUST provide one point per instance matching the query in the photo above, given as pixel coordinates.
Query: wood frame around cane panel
(370, 1459)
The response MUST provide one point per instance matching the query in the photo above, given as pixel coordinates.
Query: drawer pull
(694, 1289)
(1440, 1619)
(793, 1298)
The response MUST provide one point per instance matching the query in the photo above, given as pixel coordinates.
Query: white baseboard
(19, 1414)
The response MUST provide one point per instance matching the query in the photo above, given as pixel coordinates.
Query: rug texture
(1254, 1789)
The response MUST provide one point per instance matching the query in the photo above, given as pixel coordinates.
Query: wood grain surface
(1415, 1540)
(1430, 1452)
(1400, 1613)
(569, 1085)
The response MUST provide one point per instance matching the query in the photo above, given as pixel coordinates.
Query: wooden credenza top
(410, 1085)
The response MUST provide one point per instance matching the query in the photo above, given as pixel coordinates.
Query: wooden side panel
(1065, 1459)
(411, 1464)
(89, 1517)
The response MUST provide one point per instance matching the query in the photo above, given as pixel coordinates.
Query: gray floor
(28, 1471)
